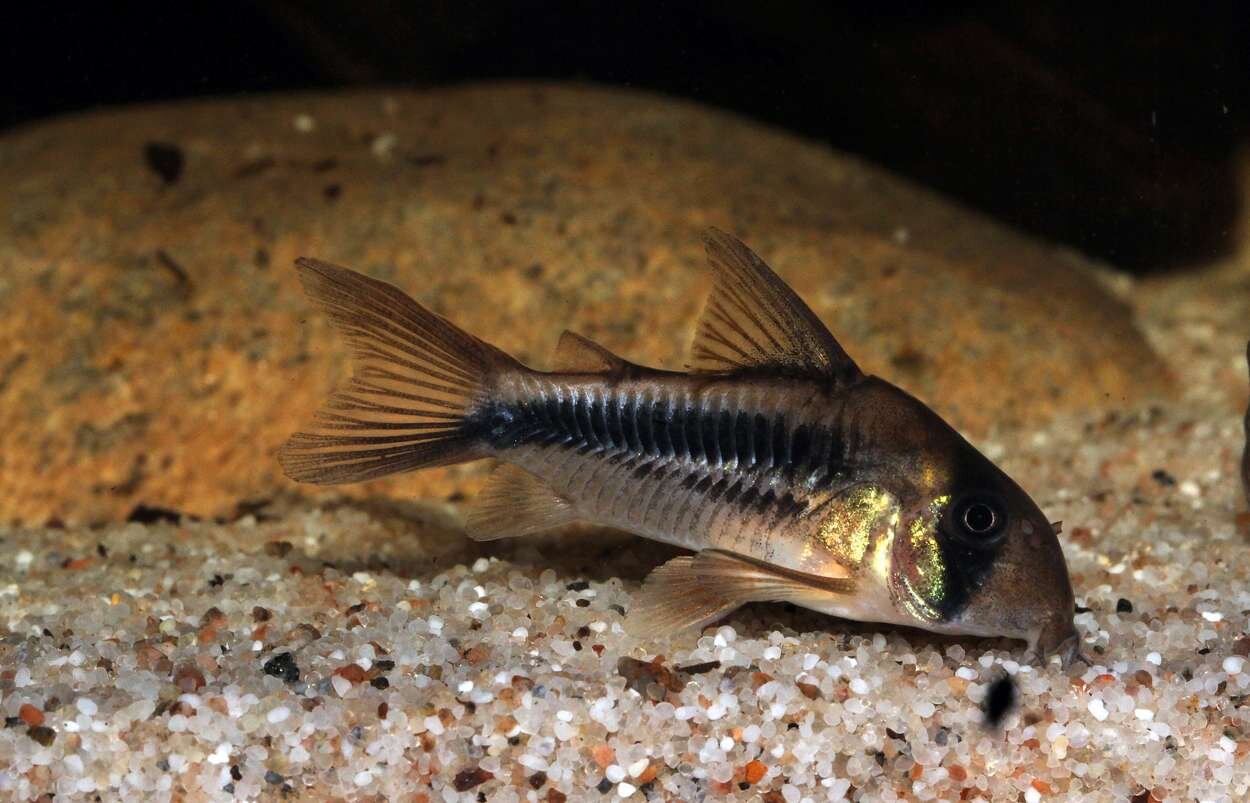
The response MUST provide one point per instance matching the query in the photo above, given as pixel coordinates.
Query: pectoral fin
(691, 591)
(515, 503)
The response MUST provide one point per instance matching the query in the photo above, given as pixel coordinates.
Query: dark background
(1112, 130)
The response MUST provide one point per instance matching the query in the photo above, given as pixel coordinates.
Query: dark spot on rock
(427, 159)
(273, 777)
(1082, 609)
(583, 603)
(260, 614)
(385, 665)
(879, 757)
(534, 271)
(283, 666)
(180, 277)
(322, 165)
(513, 740)
(162, 764)
(909, 360)
(12, 722)
(999, 701)
(261, 257)
(278, 549)
(101, 550)
(332, 192)
(255, 167)
(164, 159)
(1162, 477)
(152, 514)
(699, 669)
(508, 218)
(1123, 606)
(467, 779)
(578, 585)
(217, 581)
(228, 789)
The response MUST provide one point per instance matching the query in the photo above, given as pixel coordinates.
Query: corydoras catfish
(788, 472)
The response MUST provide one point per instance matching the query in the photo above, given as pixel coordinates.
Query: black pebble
(999, 700)
(1123, 606)
(604, 786)
(578, 585)
(1162, 477)
(42, 734)
(165, 160)
(273, 778)
(283, 666)
(380, 682)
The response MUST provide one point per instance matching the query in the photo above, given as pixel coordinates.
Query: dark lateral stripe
(663, 427)
(660, 427)
(677, 433)
(763, 440)
(694, 435)
(711, 448)
(725, 438)
(612, 407)
(599, 423)
(583, 420)
(629, 425)
(800, 448)
(744, 440)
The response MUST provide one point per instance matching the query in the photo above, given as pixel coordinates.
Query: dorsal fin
(753, 320)
(578, 354)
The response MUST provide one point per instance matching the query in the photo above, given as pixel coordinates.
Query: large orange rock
(156, 349)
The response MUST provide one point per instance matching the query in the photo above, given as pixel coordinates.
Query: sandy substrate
(367, 651)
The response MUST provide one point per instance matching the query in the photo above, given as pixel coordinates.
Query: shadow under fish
(789, 473)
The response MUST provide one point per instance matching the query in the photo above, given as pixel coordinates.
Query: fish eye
(980, 518)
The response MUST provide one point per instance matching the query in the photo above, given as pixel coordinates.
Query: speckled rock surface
(157, 351)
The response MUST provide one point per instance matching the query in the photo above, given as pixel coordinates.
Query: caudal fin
(417, 376)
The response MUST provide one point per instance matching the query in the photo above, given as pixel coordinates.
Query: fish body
(790, 474)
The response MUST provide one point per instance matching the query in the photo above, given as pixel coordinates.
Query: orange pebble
(351, 672)
(755, 771)
(30, 715)
(603, 755)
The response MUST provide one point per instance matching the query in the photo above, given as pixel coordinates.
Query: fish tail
(417, 382)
